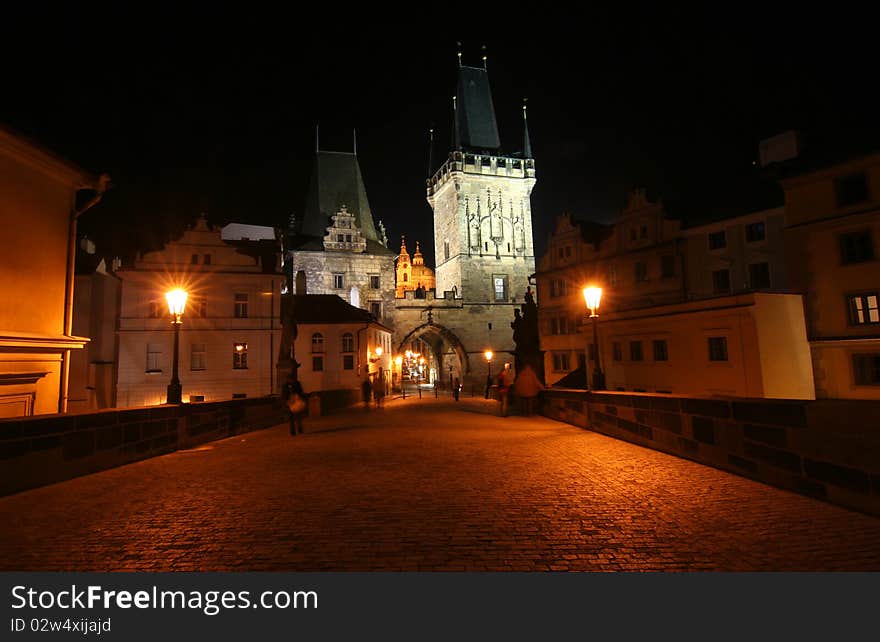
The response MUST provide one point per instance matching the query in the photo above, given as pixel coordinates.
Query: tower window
(337, 281)
(446, 249)
(374, 281)
(241, 306)
(500, 287)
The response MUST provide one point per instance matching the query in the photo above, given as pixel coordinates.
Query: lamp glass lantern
(176, 299)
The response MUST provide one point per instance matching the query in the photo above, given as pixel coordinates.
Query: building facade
(36, 274)
(832, 232)
(336, 346)
(230, 332)
(700, 311)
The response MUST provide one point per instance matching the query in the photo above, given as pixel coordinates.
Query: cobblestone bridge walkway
(426, 485)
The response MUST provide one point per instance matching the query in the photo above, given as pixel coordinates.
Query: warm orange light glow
(488, 355)
(399, 361)
(422, 361)
(176, 302)
(409, 354)
(378, 352)
(239, 347)
(592, 297)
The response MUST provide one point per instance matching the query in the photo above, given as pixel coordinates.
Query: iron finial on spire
(527, 142)
(484, 56)
(354, 140)
(458, 48)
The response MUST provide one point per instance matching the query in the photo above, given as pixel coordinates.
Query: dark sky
(214, 113)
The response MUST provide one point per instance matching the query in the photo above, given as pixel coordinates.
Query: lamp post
(592, 297)
(176, 305)
(488, 355)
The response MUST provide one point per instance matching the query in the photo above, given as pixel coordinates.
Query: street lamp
(488, 355)
(592, 297)
(176, 304)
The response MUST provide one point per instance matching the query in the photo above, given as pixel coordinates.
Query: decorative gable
(344, 235)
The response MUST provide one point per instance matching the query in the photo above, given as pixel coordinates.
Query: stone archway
(444, 334)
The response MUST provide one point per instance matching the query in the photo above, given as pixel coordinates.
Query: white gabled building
(336, 346)
(230, 332)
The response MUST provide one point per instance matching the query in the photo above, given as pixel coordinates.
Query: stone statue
(525, 336)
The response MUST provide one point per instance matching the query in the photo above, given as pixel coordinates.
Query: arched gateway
(446, 336)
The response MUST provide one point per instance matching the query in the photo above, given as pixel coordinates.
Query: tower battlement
(481, 165)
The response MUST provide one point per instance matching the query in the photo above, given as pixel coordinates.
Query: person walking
(527, 387)
(366, 391)
(296, 401)
(504, 388)
(378, 390)
(456, 388)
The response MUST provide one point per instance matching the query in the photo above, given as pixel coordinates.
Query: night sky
(214, 113)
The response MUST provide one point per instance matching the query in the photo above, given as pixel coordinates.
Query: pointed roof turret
(417, 257)
(337, 181)
(476, 126)
(527, 143)
(403, 251)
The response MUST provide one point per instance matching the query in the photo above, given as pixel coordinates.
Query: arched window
(317, 342)
(404, 278)
(347, 342)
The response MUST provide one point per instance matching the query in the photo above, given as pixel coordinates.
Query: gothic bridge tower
(481, 201)
(483, 243)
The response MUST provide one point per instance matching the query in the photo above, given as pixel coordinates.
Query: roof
(15, 142)
(475, 112)
(326, 308)
(336, 181)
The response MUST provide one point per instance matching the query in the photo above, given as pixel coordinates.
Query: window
(317, 342)
(557, 288)
(721, 281)
(405, 278)
(866, 368)
(156, 309)
(850, 190)
(197, 358)
(340, 238)
(635, 351)
(561, 253)
(195, 259)
(241, 306)
(641, 271)
(856, 247)
(348, 342)
(643, 232)
(317, 363)
(717, 240)
(759, 276)
(374, 281)
(755, 232)
(560, 362)
(376, 309)
(206, 259)
(567, 251)
(717, 348)
(667, 266)
(154, 357)
(239, 356)
(617, 350)
(348, 362)
(863, 309)
(338, 282)
(632, 234)
(500, 287)
(661, 352)
(446, 249)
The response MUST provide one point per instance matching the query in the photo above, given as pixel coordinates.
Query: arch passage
(446, 335)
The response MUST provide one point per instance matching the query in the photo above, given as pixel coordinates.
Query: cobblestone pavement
(426, 485)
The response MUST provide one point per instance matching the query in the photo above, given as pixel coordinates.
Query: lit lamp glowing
(176, 305)
(592, 297)
(488, 355)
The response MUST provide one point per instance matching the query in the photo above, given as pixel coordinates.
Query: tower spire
(527, 143)
(354, 140)
(317, 138)
(430, 149)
